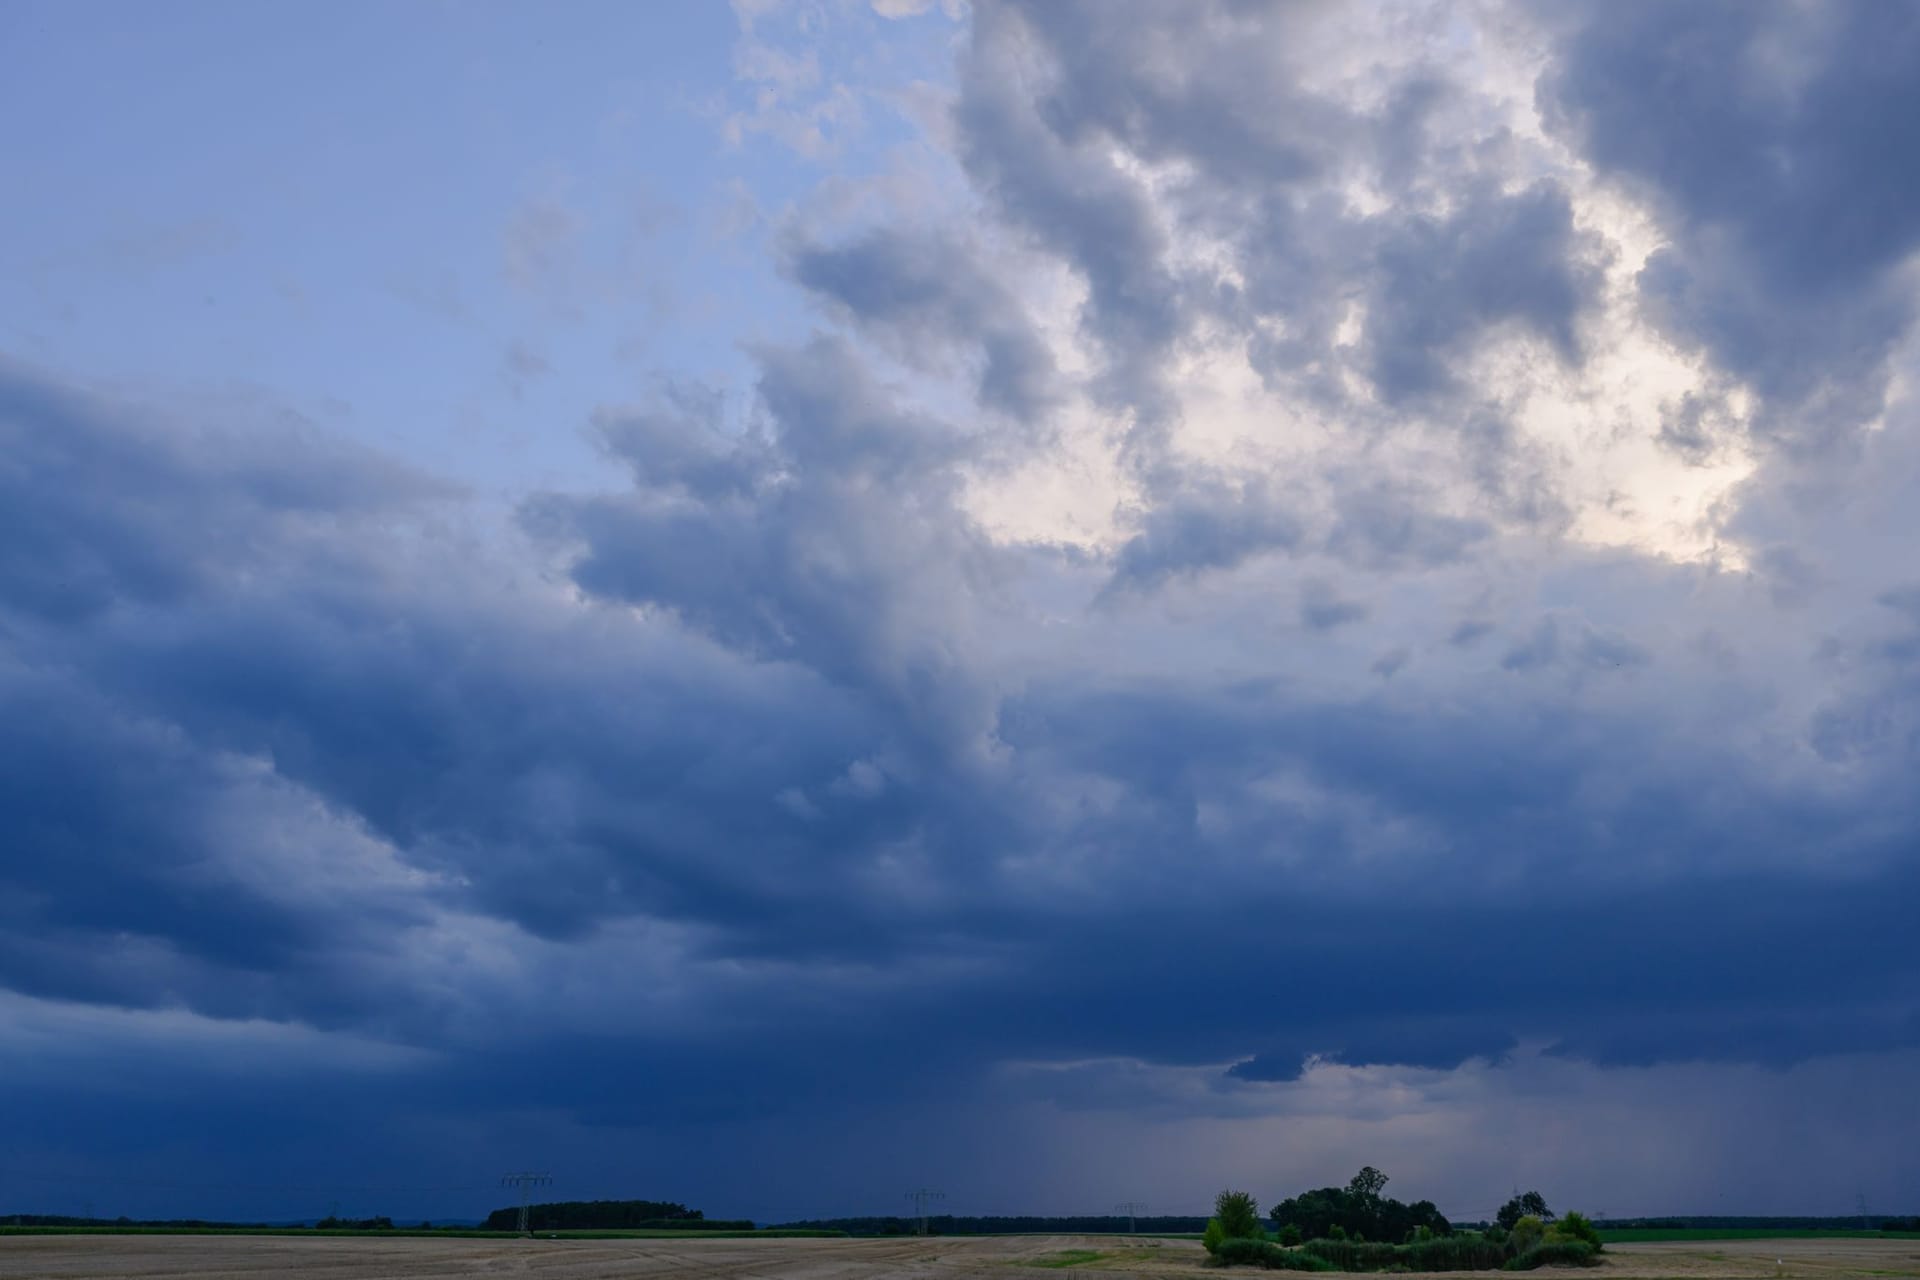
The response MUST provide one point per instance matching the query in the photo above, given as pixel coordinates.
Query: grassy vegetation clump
(1065, 1258)
(1527, 1233)
(1576, 1226)
(1557, 1253)
(1461, 1251)
(1243, 1252)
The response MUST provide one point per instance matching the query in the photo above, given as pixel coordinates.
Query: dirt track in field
(1005, 1257)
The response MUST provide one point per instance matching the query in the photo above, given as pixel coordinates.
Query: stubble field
(1005, 1257)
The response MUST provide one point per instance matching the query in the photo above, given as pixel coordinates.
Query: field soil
(1785, 1257)
(1004, 1257)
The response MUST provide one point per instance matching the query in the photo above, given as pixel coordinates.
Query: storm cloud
(1427, 720)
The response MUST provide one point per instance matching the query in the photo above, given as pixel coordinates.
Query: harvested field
(1004, 1257)
(1778, 1257)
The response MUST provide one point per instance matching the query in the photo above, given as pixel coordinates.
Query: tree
(1368, 1183)
(1358, 1209)
(1531, 1203)
(1239, 1215)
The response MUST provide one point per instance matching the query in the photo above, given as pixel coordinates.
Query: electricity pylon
(920, 1199)
(1130, 1208)
(526, 1182)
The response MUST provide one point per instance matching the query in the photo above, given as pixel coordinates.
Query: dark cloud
(1497, 259)
(927, 292)
(1322, 608)
(767, 790)
(1386, 526)
(1575, 644)
(1469, 631)
(1211, 528)
(100, 514)
(1167, 872)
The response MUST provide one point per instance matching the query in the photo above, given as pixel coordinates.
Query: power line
(1131, 1208)
(526, 1181)
(920, 1199)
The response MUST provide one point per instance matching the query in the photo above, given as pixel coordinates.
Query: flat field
(117, 1257)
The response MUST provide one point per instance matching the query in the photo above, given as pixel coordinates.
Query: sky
(1066, 602)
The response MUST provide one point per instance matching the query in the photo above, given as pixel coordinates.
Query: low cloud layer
(1312, 582)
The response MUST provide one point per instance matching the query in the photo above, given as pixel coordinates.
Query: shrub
(1576, 1226)
(1213, 1237)
(1290, 1235)
(1238, 1215)
(1354, 1255)
(1460, 1252)
(1231, 1252)
(1241, 1251)
(1455, 1253)
(1527, 1233)
(1557, 1253)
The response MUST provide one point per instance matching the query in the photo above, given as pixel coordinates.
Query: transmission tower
(1131, 1208)
(526, 1182)
(921, 1198)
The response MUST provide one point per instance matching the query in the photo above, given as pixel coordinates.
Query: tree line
(609, 1215)
(951, 1225)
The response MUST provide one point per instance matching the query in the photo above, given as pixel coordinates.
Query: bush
(1576, 1226)
(1213, 1237)
(1527, 1233)
(1290, 1235)
(1238, 1215)
(1557, 1253)
(1455, 1253)
(1352, 1255)
(1240, 1251)
(1461, 1252)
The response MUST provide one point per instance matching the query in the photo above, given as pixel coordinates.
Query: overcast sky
(1065, 602)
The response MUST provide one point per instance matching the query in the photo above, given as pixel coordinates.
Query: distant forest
(949, 1225)
(1103, 1224)
(609, 1215)
(590, 1215)
(1850, 1222)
